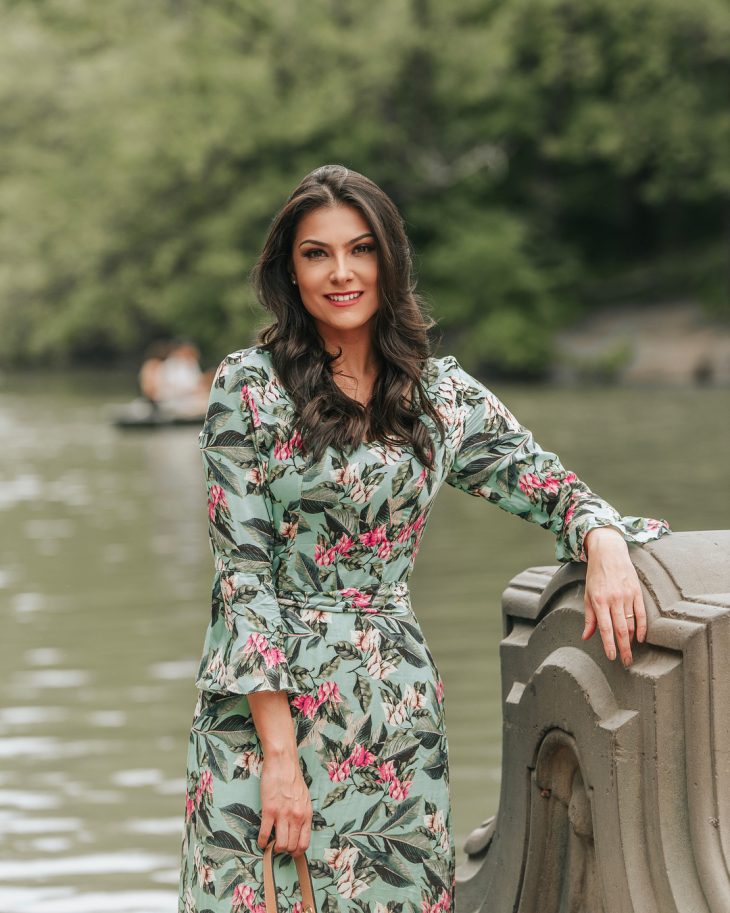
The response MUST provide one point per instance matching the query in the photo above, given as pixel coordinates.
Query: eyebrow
(367, 234)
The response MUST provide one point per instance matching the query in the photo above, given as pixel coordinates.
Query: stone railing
(615, 794)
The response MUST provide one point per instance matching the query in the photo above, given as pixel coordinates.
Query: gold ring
(628, 616)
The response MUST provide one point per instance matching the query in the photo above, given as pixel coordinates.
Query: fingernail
(612, 655)
(627, 661)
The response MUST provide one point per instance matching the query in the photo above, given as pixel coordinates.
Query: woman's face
(335, 263)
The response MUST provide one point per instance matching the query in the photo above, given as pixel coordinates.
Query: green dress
(310, 596)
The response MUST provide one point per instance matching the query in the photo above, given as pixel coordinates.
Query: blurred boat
(140, 413)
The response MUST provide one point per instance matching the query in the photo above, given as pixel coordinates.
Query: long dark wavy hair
(327, 416)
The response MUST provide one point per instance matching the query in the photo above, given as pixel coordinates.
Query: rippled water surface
(104, 587)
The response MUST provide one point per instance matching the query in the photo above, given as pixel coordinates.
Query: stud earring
(293, 281)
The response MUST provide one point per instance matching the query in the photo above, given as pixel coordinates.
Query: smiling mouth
(342, 298)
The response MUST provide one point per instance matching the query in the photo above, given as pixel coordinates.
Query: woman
(320, 721)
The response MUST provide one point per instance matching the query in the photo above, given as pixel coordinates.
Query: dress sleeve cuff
(245, 646)
(570, 545)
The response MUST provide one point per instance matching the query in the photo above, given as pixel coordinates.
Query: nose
(341, 271)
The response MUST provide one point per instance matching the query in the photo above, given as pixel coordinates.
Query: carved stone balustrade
(615, 793)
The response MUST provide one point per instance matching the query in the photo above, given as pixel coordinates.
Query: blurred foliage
(545, 153)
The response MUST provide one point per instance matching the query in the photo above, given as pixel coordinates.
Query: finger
(590, 621)
(630, 622)
(304, 838)
(293, 840)
(621, 631)
(282, 836)
(605, 627)
(267, 821)
(640, 612)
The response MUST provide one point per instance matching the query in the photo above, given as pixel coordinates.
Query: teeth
(348, 297)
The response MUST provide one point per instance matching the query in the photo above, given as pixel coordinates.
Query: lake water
(104, 585)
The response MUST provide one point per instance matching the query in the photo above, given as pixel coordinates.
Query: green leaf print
(216, 418)
(391, 870)
(223, 475)
(412, 846)
(338, 793)
(427, 732)
(404, 814)
(308, 570)
(243, 819)
(362, 691)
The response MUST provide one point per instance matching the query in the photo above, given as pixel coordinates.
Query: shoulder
(442, 374)
(244, 366)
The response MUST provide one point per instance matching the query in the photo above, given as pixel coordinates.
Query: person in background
(171, 378)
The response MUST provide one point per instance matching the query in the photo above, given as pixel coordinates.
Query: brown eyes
(312, 253)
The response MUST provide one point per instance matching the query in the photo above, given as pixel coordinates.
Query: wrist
(280, 751)
(601, 534)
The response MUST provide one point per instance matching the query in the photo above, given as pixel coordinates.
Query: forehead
(334, 224)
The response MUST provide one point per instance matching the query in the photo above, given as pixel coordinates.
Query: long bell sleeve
(244, 647)
(498, 459)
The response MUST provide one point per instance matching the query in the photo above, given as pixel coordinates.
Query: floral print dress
(310, 596)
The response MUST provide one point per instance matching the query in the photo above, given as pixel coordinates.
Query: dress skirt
(372, 747)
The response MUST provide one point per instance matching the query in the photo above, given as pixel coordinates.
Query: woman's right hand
(285, 805)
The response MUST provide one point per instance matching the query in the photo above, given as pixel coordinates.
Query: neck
(357, 356)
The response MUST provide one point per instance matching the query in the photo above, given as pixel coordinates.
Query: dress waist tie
(378, 599)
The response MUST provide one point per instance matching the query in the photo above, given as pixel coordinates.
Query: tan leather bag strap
(305, 881)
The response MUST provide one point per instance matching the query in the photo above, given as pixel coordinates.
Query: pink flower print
(206, 782)
(256, 476)
(421, 480)
(570, 511)
(445, 899)
(324, 556)
(204, 787)
(256, 643)
(243, 894)
(329, 691)
(307, 704)
(344, 544)
(273, 657)
(341, 858)
(386, 772)
(439, 691)
(551, 485)
(413, 698)
(529, 484)
(349, 886)
(656, 524)
(338, 772)
(288, 530)
(295, 441)
(247, 398)
(398, 789)
(359, 600)
(360, 756)
(436, 822)
(205, 873)
(216, 496)
(570, 477)
(298, 907)
(282, 450)
(404, 534)
(189, 806)
(385, 549)
(419, 522)
(227, 589)
(374, 537)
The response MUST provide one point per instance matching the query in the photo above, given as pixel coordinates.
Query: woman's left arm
(497, 458)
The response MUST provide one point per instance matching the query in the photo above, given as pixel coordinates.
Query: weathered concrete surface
(615, 794)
